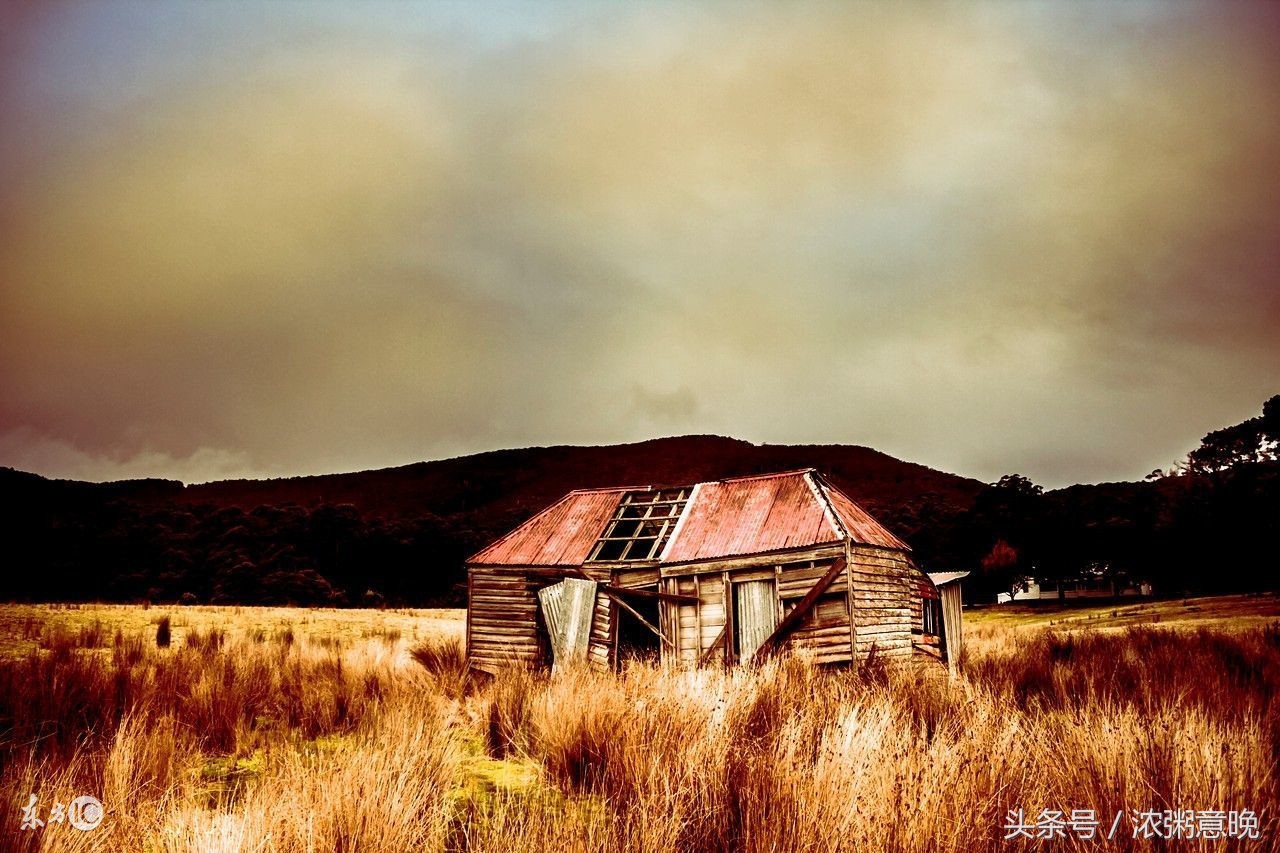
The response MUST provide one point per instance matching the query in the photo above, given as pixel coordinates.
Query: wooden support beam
(729, 656)
(649, 593)
(706, 656)
(534, 571)
(793, 619)
(612, 593)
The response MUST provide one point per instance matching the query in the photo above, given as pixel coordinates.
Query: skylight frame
(641, 526)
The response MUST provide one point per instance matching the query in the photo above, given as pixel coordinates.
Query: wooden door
(755, 615)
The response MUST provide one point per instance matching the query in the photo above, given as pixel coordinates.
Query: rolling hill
(401, 534)
(402, 531)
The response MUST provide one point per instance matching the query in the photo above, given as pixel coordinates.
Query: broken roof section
(641, 525)
(722, 518)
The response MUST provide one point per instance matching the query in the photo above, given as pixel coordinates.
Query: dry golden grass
(1253, 610)
(235, 738)
(24, 627)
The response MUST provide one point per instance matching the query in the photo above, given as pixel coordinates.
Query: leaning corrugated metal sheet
(568, 607)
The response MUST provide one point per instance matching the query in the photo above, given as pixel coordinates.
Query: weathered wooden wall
(502, 619)
(600, 648)
(504, 624)
(885, 599)
(695, 629)
(826, 634)
(755, 609)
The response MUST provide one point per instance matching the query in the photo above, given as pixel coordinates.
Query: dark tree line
(329, 555)
(1209, 524)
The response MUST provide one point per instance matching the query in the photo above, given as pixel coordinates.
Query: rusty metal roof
(943, 578)
(861, 526)
(561, 535)
(748, 515)
(723, 518)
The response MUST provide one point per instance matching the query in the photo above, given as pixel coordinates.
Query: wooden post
(728, 620)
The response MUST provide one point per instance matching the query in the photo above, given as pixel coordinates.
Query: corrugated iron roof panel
(940, 578)
(859, 524)
(749, 515)
(724, 518)
(561, 535)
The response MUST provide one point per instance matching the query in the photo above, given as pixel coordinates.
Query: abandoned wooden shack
(729, 571)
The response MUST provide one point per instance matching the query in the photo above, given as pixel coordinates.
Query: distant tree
(1019, 486)
(1011, 504)
(1001, 567)
(1228, 447)
(298, 587)
(1012, 509)
(1252, 440)
(1271, 418)
(240, 583)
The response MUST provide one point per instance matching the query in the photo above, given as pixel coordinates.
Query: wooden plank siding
(824, 635)
(503, 620)
(505, 624)
(764, 560)
(636, 578)
(600, 644)
(756, 601)
(697, 625)
(885, 597)
(875, 603)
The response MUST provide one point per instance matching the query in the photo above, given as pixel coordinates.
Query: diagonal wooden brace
(613, 593)
(718, 641)
(793, 619)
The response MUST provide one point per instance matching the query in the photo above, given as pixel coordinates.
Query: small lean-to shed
(945, 613)
(728, 571)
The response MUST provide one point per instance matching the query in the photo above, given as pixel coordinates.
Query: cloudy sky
(265, 239)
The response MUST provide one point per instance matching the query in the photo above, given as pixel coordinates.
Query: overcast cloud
(270, 239)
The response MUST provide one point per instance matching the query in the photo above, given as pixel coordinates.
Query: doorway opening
(636, 640)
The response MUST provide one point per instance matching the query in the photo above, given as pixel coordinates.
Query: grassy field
(1230, 611)
(279, 729)
(987, 628)
(25, 627)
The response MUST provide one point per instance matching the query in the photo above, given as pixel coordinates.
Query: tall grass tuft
(445, 659)
(209, 641)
